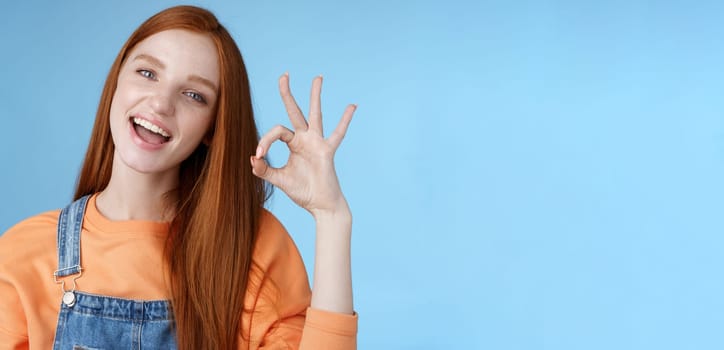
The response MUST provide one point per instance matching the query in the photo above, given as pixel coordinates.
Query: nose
(162, 103)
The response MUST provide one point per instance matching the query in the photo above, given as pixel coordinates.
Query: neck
(131, 195)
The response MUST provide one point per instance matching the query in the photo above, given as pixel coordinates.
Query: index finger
(295, 114)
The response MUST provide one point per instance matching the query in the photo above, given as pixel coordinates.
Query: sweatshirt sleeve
(13, 324)
(12, 319)
(281, 316)
(329, 330)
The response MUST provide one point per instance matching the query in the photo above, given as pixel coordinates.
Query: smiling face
(164, 101)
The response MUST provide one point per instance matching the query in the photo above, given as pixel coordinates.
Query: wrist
(339, 213)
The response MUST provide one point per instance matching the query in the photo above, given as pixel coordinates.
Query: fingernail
(320, 76)
(286, 74)
(251, 161)
(258, 152)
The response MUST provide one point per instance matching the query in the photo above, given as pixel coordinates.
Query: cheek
(123, 99)
(124, 94)
(203, 127)
(115, 111)
(194, 120)
(119, 102)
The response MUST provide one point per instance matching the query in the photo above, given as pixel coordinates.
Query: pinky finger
(338, 134)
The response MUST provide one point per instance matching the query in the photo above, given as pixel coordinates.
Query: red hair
(219, 200)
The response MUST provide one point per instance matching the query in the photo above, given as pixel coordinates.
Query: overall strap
(69, 227)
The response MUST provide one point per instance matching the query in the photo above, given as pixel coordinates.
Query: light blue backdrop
(524, 175)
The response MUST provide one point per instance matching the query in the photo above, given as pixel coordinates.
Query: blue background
(524, 174)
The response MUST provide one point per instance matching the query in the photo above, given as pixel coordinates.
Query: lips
(149, 133)
(151, 126)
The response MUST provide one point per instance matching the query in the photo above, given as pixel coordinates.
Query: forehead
(181, 51)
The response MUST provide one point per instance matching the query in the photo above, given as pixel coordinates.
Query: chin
(142, 164)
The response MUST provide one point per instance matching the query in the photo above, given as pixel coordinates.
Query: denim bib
(88, 321)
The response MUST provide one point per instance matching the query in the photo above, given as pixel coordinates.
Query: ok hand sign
(309, 177)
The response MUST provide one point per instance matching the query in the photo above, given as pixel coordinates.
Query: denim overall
(89, 321)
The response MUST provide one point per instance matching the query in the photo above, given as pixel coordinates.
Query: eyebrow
(203, 81)
(156, 62)
(153, 60)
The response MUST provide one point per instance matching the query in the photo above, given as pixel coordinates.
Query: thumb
(261, 169)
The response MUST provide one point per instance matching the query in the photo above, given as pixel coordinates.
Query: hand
(308, 177)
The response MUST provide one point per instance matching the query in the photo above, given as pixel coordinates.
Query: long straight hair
(219, 200)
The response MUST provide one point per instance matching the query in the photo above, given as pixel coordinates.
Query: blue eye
(146, 73)
(196, 96)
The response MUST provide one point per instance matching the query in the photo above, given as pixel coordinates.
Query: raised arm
(310, 180)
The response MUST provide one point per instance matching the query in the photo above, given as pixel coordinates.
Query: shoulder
(273, 244)
(277, 259)
(31, 228)
(30, 238)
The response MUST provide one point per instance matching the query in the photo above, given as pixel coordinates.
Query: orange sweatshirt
(124, 259)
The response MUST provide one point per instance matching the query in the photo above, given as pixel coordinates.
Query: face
(164, 101)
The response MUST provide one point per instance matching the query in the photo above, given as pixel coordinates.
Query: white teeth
(150, 126)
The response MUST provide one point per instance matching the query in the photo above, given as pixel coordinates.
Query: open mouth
(150, 132)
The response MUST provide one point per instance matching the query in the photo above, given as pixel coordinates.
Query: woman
(167, 244)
